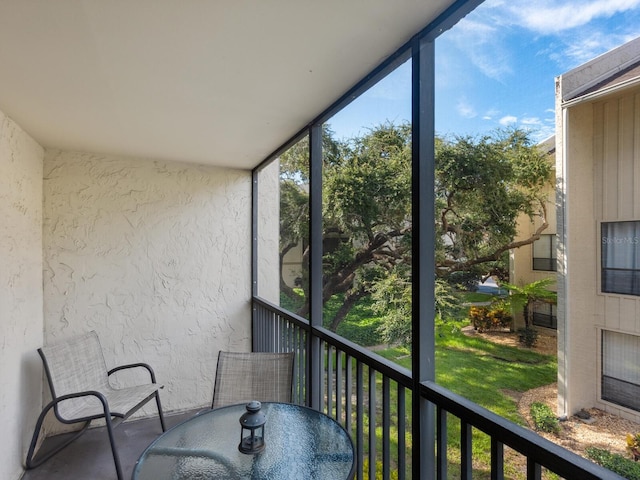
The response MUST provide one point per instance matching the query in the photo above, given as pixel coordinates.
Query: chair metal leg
(164, 429)
(116, 458)
(31, 461)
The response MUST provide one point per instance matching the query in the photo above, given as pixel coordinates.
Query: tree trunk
(349, 301)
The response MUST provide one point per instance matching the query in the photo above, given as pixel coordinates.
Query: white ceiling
(219, 82)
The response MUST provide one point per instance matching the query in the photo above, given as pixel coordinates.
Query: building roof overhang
(607, 74)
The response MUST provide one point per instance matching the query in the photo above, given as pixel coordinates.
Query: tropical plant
(528, 336)
(522, 297)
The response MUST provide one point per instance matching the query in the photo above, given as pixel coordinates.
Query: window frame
(552, 259)
(629, 399)
(607, 273)
(543, 318)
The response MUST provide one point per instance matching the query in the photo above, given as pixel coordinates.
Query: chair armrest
(88, 393)
(135, 365)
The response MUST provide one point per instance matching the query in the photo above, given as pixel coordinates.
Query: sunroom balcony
(372, 399)
(132, 137)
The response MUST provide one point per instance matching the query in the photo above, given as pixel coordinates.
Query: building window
(620, 372)
(621, 257)
(544, 253)
(545, 315)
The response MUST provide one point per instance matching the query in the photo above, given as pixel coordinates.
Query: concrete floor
(89, 457)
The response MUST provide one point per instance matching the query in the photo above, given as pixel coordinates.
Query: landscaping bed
(602, 430)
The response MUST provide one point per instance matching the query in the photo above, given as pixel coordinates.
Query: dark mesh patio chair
(242, 377)
(79, 383)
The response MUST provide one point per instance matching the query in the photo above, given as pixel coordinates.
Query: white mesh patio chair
(242, 377)
(81, 392)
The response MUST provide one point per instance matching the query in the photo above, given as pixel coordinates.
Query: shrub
(500, 316)
(633, 445)
(543, 418)
(528, 337)
(484, 318)
(614, 462)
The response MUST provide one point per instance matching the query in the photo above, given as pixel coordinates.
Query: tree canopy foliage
(481, 186)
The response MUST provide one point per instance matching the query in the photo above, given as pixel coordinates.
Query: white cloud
(531, 121)
(491, 114)
(590, 43)
(552, 16)
(508, 120)
(465, 109)
(479, 41)
(543, 133)
(576, 31)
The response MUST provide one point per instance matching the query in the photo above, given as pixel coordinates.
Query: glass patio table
(299, 443)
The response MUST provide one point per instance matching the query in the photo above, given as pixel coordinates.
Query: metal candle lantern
(253, 421)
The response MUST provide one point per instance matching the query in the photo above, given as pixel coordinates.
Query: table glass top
(300, 443)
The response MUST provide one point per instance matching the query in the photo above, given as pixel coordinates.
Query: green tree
(482, 185)
(392, 300)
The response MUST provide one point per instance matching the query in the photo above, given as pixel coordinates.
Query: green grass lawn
(477, 297)
(482, 372)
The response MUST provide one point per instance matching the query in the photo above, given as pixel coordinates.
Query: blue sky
(496, 68)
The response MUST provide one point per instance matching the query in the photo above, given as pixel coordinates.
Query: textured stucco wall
(20, 292)
(155, 257)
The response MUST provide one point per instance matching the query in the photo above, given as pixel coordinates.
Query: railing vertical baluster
(359, 418)
(441, 444)
(372, 423)
(258, 344)
(534, 471)
(497, 459)
(256, 334)
(402, 431)
(268, 331)
(296, 361)
(348, 395)
(466, 451)
(302, 365)
(272, 340)
(339, 386)
(330, 386)
(273, 334)
(278, 346)
(386, 427)
(296, 365)
(323, 375)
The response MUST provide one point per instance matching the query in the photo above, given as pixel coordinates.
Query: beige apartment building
(598, 256)
(537, 261)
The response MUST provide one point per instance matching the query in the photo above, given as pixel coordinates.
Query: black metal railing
(371, 397)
